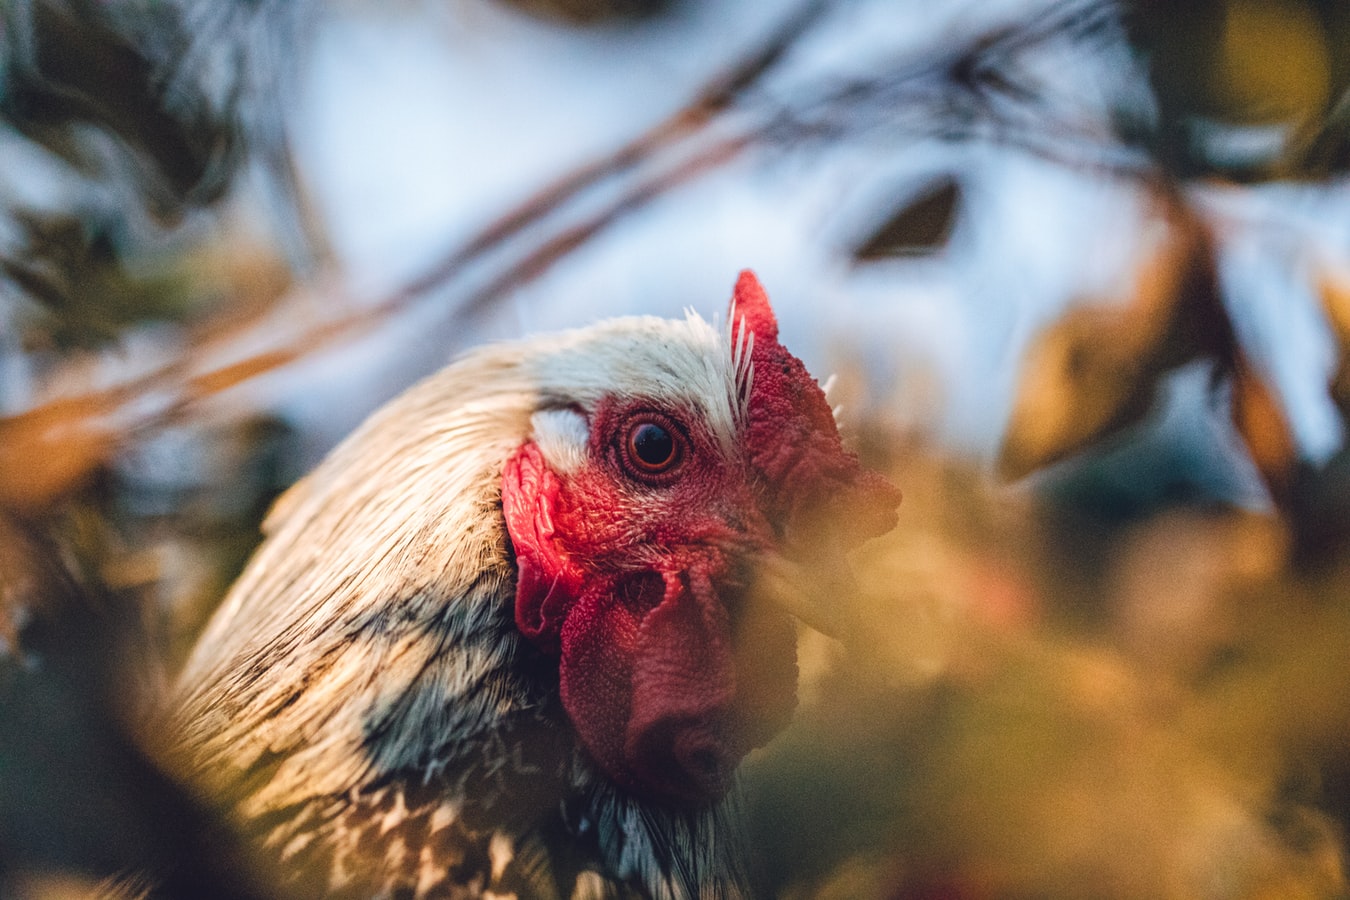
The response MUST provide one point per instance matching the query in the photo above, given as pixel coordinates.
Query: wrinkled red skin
(668, 673)
(668, 677)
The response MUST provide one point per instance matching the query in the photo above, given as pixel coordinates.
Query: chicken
(516, 634)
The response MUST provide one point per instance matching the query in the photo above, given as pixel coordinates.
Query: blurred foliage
(78, 794)
(1096, 370)
(1220, 66)
(1154, 709)
(590, 12)
(923, 224)
(70, 65)
(71, 267)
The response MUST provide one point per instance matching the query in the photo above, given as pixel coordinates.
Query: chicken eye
(652, 446)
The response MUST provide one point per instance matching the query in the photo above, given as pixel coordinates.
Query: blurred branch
(712, 99)
(975, 88)
(956, 92)
(77, 790)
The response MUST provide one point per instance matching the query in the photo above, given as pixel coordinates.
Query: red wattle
(547, 581)
(595, 674)
(681, 741)
(664, 696)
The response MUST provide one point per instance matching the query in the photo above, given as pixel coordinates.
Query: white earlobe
(561, 436)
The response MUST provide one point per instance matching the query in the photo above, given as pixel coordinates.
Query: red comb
(791, 436)
(751, 304)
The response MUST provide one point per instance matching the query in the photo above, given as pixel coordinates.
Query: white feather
(561, 436)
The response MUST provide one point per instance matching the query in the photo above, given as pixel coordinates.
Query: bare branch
(949, 93)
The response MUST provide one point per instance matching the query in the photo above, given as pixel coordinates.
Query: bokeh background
(1081, 270)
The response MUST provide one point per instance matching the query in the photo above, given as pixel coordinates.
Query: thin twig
(641, 161)
(713, 98)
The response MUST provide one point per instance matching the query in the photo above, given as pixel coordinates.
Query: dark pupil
(653, 445)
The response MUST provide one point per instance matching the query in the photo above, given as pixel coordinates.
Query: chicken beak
(816, 588)
(805, 569)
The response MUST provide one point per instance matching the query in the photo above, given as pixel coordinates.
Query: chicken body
(506, 638)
